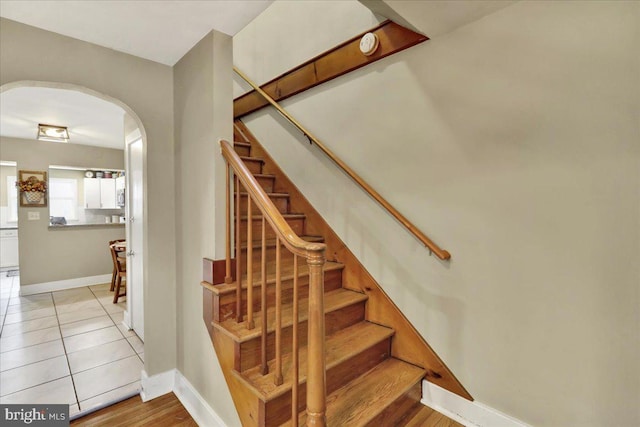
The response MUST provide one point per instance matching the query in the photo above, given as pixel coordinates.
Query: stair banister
(434, 248)
(289, 238)
(314, 253)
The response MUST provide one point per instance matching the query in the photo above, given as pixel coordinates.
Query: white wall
(512, 142)
(203, 113)
(145, 87)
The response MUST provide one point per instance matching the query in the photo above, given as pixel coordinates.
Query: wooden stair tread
(264, 175)
(339, 347)
(333, 300)
(286, 273)
(242, 144)
(251, 159)
(271, 243)
(258, 216)
(359, 401)
(274, 195)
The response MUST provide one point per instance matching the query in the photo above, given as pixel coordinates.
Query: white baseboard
(157, 385)
(60, 285)
(197, 407)
(470, 414)
(174, 381)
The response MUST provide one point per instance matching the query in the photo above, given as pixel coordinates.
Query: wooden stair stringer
(408, 345)
(247, 406)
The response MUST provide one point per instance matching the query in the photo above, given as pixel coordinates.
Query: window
(63, 198)
(12, 199)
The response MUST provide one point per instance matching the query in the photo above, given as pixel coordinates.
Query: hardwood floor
(165, 411)
(427, 417)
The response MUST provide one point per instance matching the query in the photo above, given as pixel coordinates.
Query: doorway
(9, 258)
(135, 233)
(78, 334)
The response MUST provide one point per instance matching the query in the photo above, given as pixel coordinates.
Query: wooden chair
(114, 273)
(121, 272)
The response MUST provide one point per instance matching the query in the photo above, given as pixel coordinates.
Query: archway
(134, 128)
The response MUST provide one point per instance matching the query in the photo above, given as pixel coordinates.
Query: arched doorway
(135, 230)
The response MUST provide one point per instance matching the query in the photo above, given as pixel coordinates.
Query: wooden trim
(327, 66)
(433, 248)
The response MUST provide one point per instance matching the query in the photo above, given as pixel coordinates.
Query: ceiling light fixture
(53, 133)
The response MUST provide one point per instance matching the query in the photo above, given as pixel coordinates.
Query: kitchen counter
(105, 225)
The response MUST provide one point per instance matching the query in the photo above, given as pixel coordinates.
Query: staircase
(374, 359)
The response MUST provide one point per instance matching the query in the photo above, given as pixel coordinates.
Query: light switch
(34, 216)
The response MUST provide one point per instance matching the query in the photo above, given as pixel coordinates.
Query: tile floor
(66, 347)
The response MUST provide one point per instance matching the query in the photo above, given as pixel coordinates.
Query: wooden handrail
(314, 253)
(289, 238)
(440, 253)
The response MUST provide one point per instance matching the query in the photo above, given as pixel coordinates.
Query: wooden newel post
(316, 377)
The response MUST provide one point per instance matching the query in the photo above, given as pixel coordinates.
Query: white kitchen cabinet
(120, 183)
(108, 193)
(92, 193)
(9, 248)
(100, 193)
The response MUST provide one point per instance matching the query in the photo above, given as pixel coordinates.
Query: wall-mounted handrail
(440, 253)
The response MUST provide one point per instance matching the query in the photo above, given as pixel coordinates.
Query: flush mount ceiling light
(53, 133)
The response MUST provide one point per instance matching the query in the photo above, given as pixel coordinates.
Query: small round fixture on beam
(369, 43)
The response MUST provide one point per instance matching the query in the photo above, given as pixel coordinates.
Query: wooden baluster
(263, 297)
(227, 277)
(278, 373)
(316, 377)
(238, 256)
(250, 323)
(294, 347)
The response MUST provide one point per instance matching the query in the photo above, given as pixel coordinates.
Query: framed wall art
(32, 186)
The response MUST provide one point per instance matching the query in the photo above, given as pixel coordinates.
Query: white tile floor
(66, 347)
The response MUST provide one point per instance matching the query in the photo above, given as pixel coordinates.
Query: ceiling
(436, 17)
(161, 31)
(158, 30)
(90, 120)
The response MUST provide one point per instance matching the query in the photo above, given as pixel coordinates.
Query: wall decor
(33, 188)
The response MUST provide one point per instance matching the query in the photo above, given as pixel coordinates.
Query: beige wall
(203, 114)
(146, 88)
(512, 142)
(48, 255)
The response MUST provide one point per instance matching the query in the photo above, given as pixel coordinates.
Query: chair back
(120, 266)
